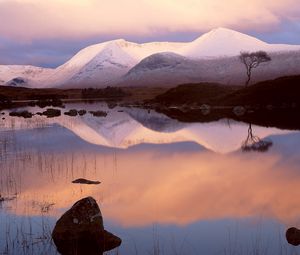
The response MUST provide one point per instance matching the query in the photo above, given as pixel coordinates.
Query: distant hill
(199, 93)
(283, 92)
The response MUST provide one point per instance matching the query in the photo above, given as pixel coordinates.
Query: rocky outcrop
(80, 230)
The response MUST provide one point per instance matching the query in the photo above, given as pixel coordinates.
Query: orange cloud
(35, 19)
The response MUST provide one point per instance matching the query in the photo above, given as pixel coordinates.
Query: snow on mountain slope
(226, 42)
(174, 70)
(118, 62)
(105, 62)
(33, 75)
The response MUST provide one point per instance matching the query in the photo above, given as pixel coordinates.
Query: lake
(167, 187)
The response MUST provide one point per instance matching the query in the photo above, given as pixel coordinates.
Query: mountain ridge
(109, 63)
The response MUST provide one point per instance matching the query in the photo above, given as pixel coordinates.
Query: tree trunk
(249, 78)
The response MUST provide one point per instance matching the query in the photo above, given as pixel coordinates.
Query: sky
(47, 33)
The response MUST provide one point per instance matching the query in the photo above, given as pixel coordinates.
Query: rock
(51, 113)
(24, 114)
(85, 181)
(293, 236)
(80, 230)
(239, 110)
(82, 112)
(98, 113)
(72, 113)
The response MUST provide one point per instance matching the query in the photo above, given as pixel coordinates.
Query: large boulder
(293, 236)
(80, 230)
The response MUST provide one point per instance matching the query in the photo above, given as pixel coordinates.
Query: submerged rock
(98, 113)
(85, 181)
(80, 230)
(293, 236)
(72, 113)
(24, 114)
(82, 112)
(51, 113)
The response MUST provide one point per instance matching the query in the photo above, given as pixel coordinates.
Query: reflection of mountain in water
(137, 126)
(155, 121)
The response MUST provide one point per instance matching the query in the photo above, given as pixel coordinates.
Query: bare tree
(253, 60)
(254, 143)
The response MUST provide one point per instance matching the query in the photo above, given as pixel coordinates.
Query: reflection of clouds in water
(141, 187)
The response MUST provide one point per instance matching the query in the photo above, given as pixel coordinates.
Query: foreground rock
(80, 231)
(85, 181)
(293, 236)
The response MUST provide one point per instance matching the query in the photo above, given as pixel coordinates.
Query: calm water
(166, 187)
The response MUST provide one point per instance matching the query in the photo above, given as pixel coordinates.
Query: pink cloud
(34, 19)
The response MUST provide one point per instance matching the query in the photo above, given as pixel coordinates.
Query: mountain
(225, 70)
(25, 76)
(104, 63)
(211, 58)
(222, 42)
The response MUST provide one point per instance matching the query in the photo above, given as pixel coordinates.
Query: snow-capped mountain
(105, 62)
(25, 76)
(119, 62)
(169, 70)
(223, 42)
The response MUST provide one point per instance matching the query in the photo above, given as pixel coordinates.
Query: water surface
(166, 187)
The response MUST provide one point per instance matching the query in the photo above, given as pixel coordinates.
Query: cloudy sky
(47, 33)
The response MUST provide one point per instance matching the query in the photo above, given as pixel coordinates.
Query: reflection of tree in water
(254, 143)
